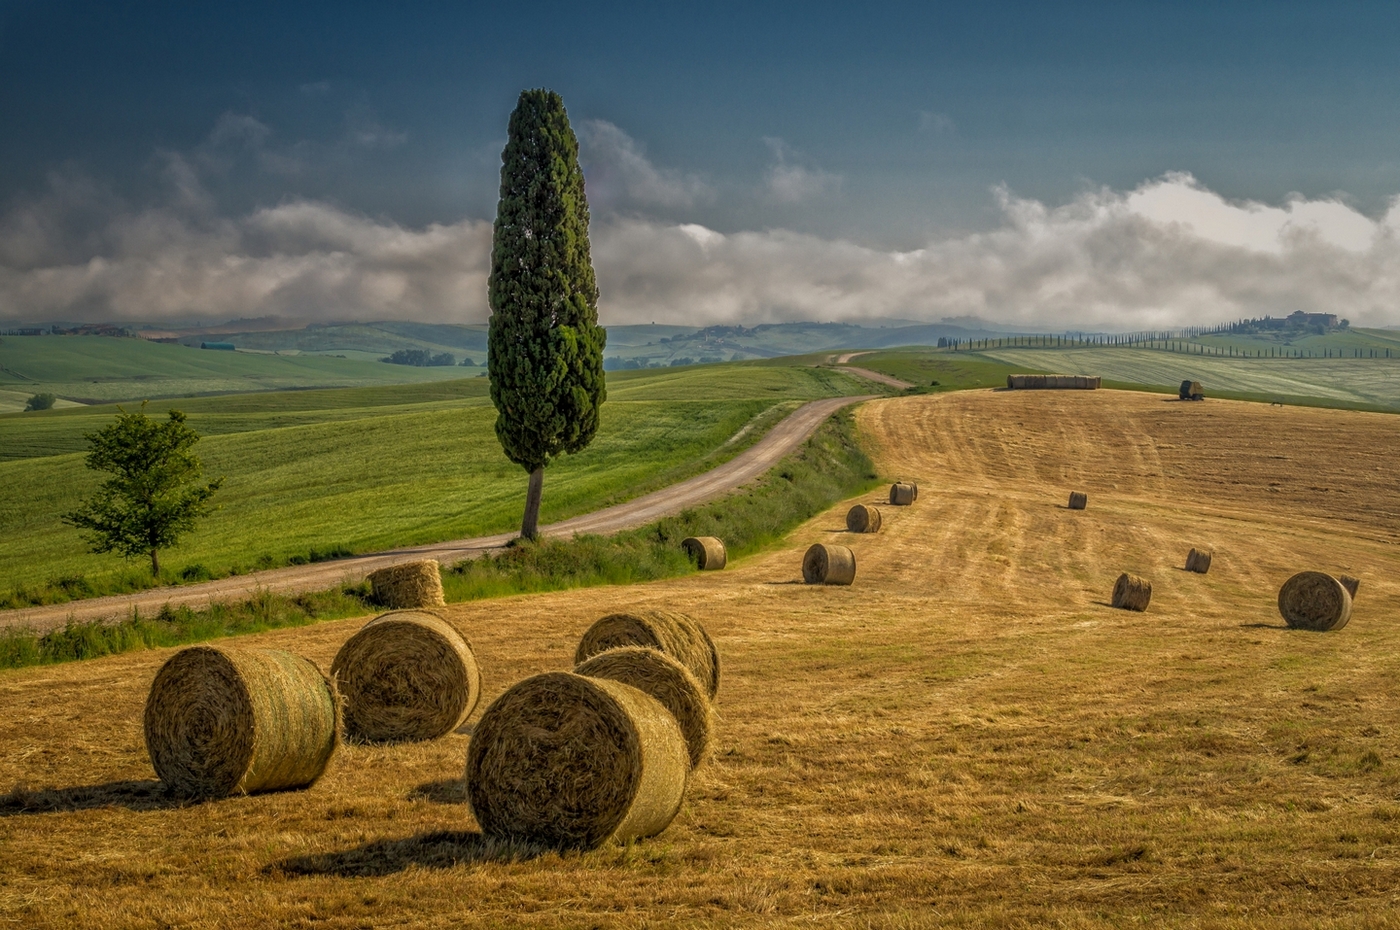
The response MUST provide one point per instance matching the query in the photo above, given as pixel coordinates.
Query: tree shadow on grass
(440, 850)
(132, 795)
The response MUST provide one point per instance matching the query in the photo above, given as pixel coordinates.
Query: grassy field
(828, 467)
(101, 368)
(1335, 382)
(1349, 343)
(967, 737)
(367, 469)
(938, 371)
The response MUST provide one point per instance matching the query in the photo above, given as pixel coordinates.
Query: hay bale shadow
(444, 849)
(445, 791)
(149, 795)
(792, 581)
(1264, 626)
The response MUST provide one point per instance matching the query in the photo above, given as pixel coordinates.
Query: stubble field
(968, 736)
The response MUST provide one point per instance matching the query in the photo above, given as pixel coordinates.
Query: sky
(1055, 166)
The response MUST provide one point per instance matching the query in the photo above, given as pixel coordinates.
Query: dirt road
(787, 435)
(876, 376)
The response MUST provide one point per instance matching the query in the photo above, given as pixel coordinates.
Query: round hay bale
(678, 635)
(408, 585)
(707, 552)
(1351, 584)
(665, 679)
(406, 675)
(825, 564)
(1078, 500)
(1132, 592)
(903, 494)
(221, 720)
(1314, 601)
(573, 762)
(1198, 561)
(863, 519)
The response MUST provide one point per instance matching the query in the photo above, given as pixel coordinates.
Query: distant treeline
(618, 363)
(422, 358)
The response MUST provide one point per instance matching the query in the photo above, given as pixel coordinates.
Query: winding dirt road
(843, 362)
(782, 439)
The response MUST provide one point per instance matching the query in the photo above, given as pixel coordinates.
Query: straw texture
(573, 762)
(406, 675)
(1198, 561)
(863, 519)
(1076, 382)
(825, 564)
(707, 552)
(410, 584)
(1314, 601)
(665, 679)
(221, 720)
(1132, 592)
(902, 494)
(678, 635)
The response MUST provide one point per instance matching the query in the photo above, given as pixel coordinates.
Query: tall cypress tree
(545, 350)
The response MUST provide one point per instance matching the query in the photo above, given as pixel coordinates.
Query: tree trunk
(155, 564)
(529, 527)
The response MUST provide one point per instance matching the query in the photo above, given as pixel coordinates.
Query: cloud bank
(1168, 253)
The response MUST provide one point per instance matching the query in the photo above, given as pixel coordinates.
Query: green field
(92, 369)
(1335, 382)
(1347, 343)
(951, 372)
(372, 468)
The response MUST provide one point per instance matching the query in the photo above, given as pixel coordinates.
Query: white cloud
(300, 259)
(1169, 253)
(619, 175)
(792, 183)
(1179, 199)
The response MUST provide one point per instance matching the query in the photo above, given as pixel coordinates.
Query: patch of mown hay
(825, 564)
(568, 761)
(903, 493)
(665, 679)
(411, 584)
(1131, 592)
(1037, 382)
(1078, 500)
(679, 635)
(406, 675)
(222, 720)
(707, 552)
(1314, 601)
(863, 519)
(1198, 561)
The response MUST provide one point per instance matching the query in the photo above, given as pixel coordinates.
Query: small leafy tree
(154, 494)
(40, 402)
(544, 345)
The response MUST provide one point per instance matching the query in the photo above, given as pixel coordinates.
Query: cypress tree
(545, 347)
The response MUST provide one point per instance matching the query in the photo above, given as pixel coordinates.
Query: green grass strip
(828, 468)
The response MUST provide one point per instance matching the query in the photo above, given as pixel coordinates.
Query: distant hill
(645, 345)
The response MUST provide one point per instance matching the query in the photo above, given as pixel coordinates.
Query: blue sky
(745, 162)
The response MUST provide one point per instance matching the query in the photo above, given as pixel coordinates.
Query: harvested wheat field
(968, 736)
